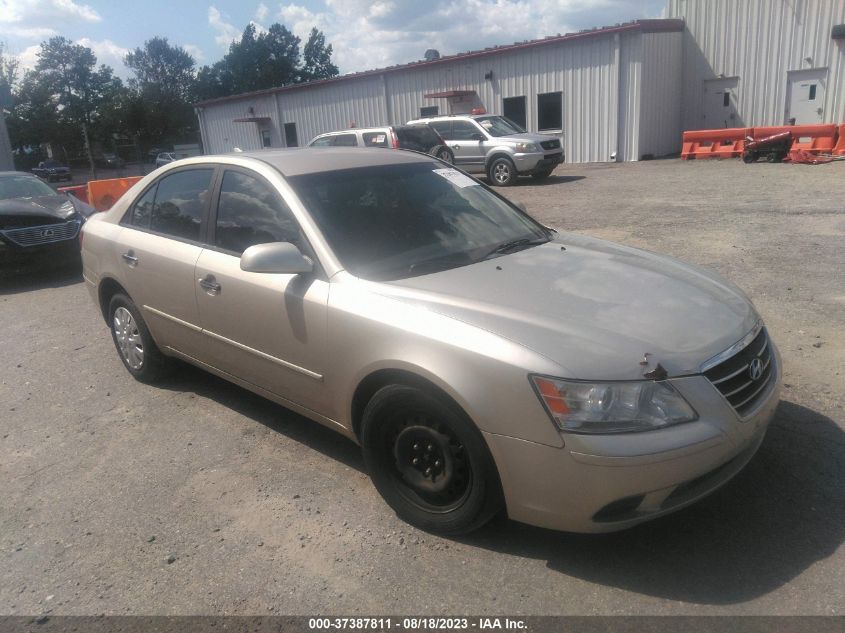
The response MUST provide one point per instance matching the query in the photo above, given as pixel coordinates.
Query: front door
(266, 329)
(719, 105)
(805, 96)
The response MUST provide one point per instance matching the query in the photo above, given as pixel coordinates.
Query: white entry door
(719, 104)
(805, 96)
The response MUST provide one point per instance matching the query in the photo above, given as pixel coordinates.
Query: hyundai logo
(48, 233)
(755, 369)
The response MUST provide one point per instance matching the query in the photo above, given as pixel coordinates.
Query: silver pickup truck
(497, 147)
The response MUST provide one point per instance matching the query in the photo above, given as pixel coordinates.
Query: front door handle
(210, 285)
(129, 258)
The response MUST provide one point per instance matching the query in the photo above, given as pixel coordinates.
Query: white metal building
(590, 88)
(762, 62)
(616, 93)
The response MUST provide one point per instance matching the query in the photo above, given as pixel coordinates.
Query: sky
(365, 34)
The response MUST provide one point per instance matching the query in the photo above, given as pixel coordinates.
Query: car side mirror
(477, 136)
(280, 258)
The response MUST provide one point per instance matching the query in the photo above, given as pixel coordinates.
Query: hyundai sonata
(482, 360)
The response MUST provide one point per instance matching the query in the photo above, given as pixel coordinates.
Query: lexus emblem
(48, 233)
(755, 369)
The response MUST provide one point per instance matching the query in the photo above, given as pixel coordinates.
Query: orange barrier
(102, 194)
(726, 143)
(839, 148)
(816, 139)
(77, 191)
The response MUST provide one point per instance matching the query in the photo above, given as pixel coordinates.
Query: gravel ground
(201, 498)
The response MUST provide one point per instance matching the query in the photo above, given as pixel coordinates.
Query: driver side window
(250, 212)
(463, 131)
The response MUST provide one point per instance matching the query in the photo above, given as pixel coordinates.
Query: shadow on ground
(779, 516)
(187, 378)
(784, 512)
(26, 276)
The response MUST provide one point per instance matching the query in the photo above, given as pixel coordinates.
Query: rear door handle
(130, 258)
(210, 286)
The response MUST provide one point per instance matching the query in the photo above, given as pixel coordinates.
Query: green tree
(317, 58)
(162, 89)
(261, 60)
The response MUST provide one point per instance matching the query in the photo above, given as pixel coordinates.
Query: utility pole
(7, 162)
(88, 152)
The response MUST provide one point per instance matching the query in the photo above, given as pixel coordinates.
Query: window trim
(307, 249)
(126, 220)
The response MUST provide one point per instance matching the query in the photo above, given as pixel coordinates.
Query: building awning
(252, 119)
(449, 93)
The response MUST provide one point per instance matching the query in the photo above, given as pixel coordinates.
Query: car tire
(502, 172)
(133, 342)
(443, 153)
(406, 430)
(542, 175)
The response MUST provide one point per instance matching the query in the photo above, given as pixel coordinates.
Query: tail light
(394, 141)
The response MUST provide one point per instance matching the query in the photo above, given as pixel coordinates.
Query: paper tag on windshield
(455, 177)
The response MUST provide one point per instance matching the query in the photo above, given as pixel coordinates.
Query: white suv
(498, 147)
(418, 138)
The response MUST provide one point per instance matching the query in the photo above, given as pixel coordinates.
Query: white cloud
(226, 32)
(108, 53)
(368, 34)
(261, 12)
(42, 14)
(28, 57)
(29, 33)
(195, 52)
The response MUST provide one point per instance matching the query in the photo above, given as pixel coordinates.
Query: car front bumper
(611, 482)
(536, 162)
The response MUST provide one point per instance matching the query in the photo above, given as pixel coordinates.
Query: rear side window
(345, 140)
(420, 138)
(179, 203)
(444, 128)
(375, 139)
(143, 209)
(250, 212)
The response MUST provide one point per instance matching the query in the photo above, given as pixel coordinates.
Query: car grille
(21, 221)
(550, 144)
(45, 234)
(732, 377)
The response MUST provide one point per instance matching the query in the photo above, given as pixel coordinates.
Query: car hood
(595, 308)
(526, 138)
(58, 206)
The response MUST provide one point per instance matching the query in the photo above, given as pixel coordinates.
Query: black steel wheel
(428, 461)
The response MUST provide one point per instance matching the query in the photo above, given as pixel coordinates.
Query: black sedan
(36, 220)
(51, 170)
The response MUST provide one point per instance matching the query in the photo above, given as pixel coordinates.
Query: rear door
(266, 329)
(345, 140)
(158, 250)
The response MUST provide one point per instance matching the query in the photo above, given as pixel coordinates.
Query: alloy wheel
(128, 338)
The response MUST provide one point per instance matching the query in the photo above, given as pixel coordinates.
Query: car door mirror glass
(280, 258)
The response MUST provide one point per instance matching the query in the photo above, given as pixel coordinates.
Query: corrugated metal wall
(759, 41)
(600, 78)
(220, 134)
(662, 79)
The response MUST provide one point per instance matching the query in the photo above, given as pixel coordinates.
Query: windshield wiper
(507, 247)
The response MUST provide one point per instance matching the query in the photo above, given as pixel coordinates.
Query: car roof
(17, 173)
(299, 161)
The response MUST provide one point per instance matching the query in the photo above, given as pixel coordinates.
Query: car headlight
(612, 407)
(526, 147)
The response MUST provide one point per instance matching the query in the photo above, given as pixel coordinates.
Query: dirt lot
(200, 498)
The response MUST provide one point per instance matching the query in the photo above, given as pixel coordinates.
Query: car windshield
(23, 187)
(396, 221)
(499, 126)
